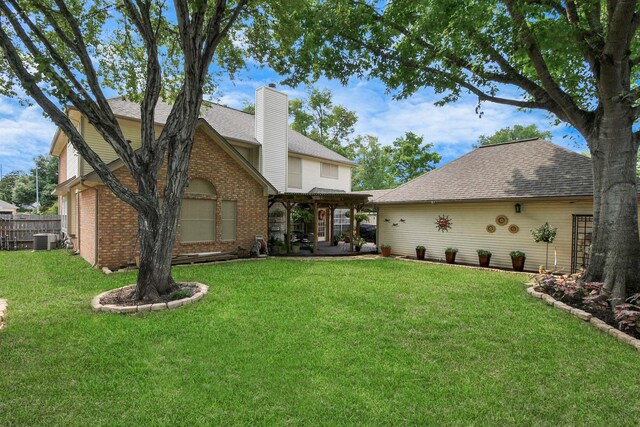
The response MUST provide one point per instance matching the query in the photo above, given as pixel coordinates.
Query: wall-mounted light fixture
(518, 208)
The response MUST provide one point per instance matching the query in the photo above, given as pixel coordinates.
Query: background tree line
(19, 188)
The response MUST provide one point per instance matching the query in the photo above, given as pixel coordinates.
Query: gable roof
(530, 168)
(217, 138)
(7, 206)
(231, 124)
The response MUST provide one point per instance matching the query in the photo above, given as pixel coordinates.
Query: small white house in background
(493, 197)
(7, 208)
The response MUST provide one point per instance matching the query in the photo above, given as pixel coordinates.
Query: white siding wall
(468, 232)
(311, 177)
(272, 127)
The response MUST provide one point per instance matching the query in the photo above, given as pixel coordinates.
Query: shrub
(180, 294)
(628, 315)
(483, 252)
(385, 246)
(420, 248)
(451, 250)
(516, 254)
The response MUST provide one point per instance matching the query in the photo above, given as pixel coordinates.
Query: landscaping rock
(110, 308)
(159, 306)
(562, 306)
(174, 304)
(548, 299)
(603, 326)
(197, 296)
(581, 314)
(106, 270)
(129, 309)
(145, 307)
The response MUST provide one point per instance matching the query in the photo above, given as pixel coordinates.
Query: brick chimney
(272, 127)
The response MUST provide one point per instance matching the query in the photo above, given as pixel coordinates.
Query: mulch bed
(125, 296)
(606, 316)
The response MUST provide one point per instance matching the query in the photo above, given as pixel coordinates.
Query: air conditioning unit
(52, 242)
(40, 242)
(45, 241)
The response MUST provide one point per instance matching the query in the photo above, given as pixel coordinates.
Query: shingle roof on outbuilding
(531, 168)
(7, 206)
(231, 124)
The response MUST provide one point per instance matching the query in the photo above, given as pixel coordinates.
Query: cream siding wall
(130, 130)
(312, 178)
(271, 131)
(468, 232)
(72, 161)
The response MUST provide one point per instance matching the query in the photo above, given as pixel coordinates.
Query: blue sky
(25, 132)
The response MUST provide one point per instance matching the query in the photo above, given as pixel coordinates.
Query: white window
(295, 172)
(198, 212)
(228, 220)
(62, 209)
(328, 170)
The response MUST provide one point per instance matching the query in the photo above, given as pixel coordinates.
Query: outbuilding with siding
(494, 196)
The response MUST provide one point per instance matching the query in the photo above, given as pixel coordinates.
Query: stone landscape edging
(587, 317)
(201, 291)
(3, 311)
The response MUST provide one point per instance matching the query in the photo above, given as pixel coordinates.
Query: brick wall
(87, 221)
(118, 224)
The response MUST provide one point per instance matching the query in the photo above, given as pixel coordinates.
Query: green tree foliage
(7, 183)
(411, 158)
(318, 118)
(514, 133)
(20, 188)
(579, 61)
(374, 170)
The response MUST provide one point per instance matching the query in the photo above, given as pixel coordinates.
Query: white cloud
(24, 134)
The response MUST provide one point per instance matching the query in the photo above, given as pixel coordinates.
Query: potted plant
(484, 257)
(386, 250)
(335, 240)
(295, 247)
(420, 252)
(359, 243)
(450, 253)
(517, 260)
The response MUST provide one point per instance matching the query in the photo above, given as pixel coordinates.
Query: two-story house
(240, 161)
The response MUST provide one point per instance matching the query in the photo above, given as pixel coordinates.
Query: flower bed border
(96, 305)
(585, 316)
(3, 312)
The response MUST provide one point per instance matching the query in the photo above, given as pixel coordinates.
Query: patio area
(327, 249)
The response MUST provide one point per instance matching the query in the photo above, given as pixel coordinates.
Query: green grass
(381, 342)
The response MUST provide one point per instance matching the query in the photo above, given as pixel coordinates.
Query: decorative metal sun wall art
(491, 228)
(443, 223)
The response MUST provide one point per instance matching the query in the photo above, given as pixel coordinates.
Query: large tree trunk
(157, 238)
(615, 247)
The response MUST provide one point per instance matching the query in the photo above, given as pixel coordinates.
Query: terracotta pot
(484, 260)
(451, 257)
(518, 263)
(386, 251)
(420, 253)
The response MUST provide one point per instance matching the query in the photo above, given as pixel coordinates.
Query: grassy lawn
(380, 342)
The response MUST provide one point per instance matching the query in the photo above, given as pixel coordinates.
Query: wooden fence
(16, 231)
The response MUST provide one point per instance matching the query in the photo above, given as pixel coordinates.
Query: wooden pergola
(318, 200)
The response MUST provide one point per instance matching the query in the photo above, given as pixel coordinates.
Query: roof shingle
(231, 124)
(532, 168)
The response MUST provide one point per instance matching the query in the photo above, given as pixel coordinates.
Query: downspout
(95, 246)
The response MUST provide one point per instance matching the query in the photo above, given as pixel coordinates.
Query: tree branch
(30, 85)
